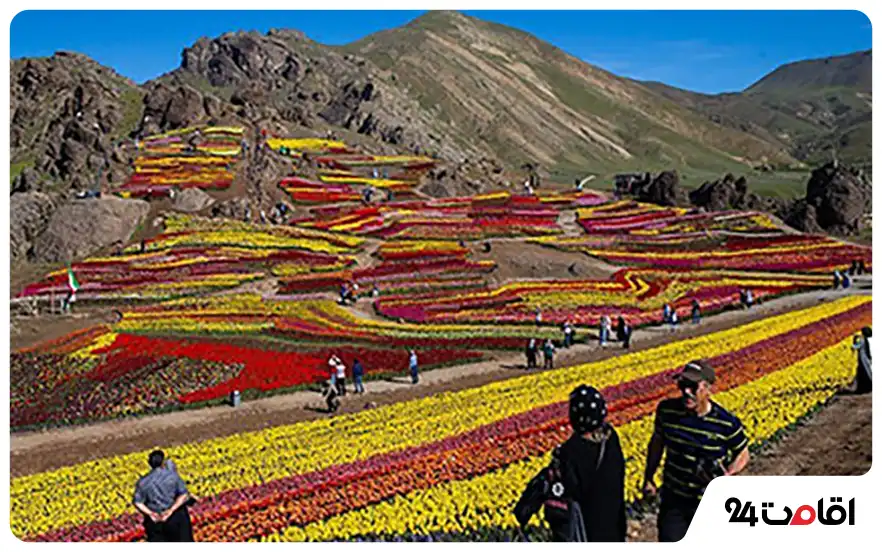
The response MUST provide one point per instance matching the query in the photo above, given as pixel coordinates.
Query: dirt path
(39, 451)
(838, 440)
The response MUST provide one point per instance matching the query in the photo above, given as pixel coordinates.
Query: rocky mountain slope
(68, 114)
(815, 109)
(507, 92)
(485, 99)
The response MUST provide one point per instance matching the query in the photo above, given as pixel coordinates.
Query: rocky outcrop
(468, 177)
(664, 189)
(730, 193)
(282, 76)
(29, 214)
(79, 228)
(837, 198)
(67, 114)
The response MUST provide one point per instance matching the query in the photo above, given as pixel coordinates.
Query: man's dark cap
(696, 371)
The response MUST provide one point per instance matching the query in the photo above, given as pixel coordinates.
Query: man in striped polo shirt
(702, 439)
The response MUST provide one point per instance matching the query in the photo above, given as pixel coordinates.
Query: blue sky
(707, 51)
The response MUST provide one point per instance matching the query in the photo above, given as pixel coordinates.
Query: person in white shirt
(332, 368)
(341, 377)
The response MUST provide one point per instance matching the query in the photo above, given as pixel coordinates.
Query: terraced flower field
(175, 160)
(412, 467)
(213, 305)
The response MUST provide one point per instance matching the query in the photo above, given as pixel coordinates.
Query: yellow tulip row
(375, 182)
(190, 130)
(101, 489)
(305, 144)
(765, 406)
(198, 225)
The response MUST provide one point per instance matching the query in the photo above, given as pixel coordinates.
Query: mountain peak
(850, 70)
(436, 19)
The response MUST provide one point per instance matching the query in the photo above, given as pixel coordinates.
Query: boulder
(79, 228)
(192, 200)
(29, 215)
(836, 201)
(840, 196)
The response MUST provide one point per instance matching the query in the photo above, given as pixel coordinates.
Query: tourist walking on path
(341, 378)
(620, 328)
(748, 298)
(532, 353)
(605, 325)
(162, 497)
(696, 311)
(583, 488)
(846, 281)
(836, 279)
(548, 354)
(674, 320)
(358, 376)
(863, 381)
(414, 368)
(332, 370)
(702, 441)
(568, 334)
(596, 475)
(626, 336)
(538, 316)
(329, 392)
(666, 314)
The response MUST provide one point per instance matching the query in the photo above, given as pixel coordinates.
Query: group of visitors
(843, 278)
(335, 386)
(582, 491)
(623, 331)
(348, 292)
(533, 353)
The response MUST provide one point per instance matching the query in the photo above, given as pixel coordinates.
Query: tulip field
(632, 233)
(195, 256)
(451, 463)
(207, 305)
(496, 215)
(340, 167)
(165, 161)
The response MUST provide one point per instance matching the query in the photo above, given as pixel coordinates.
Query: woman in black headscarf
(596, 478)
(863, 381)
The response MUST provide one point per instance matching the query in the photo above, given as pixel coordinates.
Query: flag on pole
(72, 282)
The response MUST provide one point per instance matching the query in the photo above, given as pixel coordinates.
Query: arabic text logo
(834, 514)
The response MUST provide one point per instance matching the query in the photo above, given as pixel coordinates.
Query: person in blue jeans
(414, 368)
(696, 312)
(358, 374)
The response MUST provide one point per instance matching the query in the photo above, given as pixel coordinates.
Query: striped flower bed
(413, 467)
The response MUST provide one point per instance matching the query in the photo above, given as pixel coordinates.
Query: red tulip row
(138, 373)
